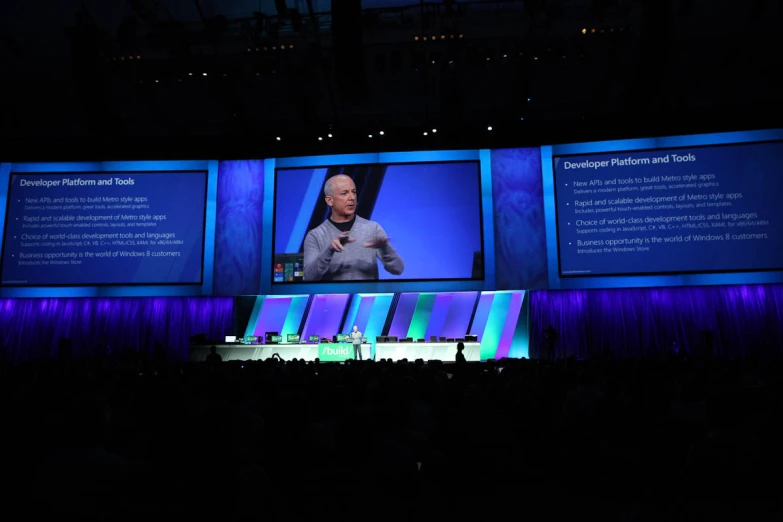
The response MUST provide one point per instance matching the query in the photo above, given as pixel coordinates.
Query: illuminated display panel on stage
(496, 320)
(99, 228)
(517, 231)
(686, 210)
(435, 207)
(50, 216)
(402, 222)
(693, 209)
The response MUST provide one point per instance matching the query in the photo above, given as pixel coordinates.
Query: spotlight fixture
(329, 135)
(320, 138)
(278, 138)
(369, 135)
(434, 131)
(489, 128)
(425, 133)
(381, 133)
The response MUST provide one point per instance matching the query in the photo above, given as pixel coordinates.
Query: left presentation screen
(104, 229)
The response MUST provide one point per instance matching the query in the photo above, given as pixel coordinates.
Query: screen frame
(292, 284)
(578, 276)
(204, 171)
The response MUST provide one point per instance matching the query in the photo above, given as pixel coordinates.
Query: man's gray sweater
(356, 262)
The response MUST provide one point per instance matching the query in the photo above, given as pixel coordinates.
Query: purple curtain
(729, 321)
(32, 328)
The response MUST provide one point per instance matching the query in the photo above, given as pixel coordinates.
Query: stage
(336, 352)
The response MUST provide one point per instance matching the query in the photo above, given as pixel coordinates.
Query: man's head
(355, 328)
(340, 193)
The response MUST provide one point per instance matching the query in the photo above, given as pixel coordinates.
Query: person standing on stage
(356, 339)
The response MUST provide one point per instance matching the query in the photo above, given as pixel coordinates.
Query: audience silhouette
(128, 438)
(460, 357)
(213, 357)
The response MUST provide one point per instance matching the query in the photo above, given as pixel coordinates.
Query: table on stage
(438, 351)
(335, 352)
(259, 352)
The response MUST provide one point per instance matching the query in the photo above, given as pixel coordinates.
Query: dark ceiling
(206, 77)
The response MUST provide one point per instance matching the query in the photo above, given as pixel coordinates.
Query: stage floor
(336, 352)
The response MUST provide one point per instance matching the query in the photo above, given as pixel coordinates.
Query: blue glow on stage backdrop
(32, 329)
(520, 228)
(742, 185)
(239, 227)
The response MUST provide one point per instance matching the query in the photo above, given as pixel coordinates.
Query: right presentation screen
(685, 210)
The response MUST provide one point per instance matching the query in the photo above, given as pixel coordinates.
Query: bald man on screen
(345, 246)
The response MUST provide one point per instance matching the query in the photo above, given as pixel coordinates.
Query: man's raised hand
(338, 243)
(378, 243)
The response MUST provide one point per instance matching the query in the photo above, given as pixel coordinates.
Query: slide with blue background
(102, 229)
(701, 209)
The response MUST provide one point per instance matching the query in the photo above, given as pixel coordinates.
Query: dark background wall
(649, 68)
